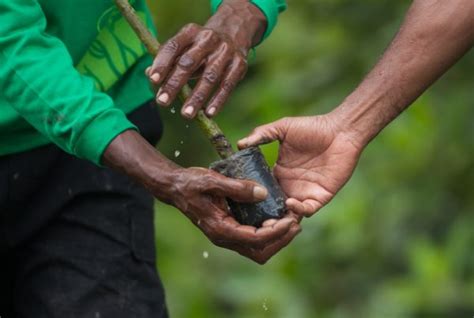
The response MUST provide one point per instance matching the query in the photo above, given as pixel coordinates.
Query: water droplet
(181, 142)
(173, 110)
(187, 126)
(205, 254)
(177, 153)
(264, 305)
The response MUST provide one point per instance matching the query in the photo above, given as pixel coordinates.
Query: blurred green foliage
(398, 241)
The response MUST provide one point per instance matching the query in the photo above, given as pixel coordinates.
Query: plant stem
(208, 126)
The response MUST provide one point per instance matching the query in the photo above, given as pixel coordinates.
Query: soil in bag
(250, 164)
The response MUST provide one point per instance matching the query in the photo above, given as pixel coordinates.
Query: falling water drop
(264, 305)
(181, 142)
(173, 110)
(205, 254)
(177, 153)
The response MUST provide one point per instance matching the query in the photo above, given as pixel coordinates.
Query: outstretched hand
(315, 159)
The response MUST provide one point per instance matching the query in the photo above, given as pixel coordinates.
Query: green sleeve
(270, 8)
(38, 79)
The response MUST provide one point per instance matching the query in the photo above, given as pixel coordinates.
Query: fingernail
(189, 110)
(212, 111)
(164, 98)
(155, 77)
(260, 193)
(147, 71)
(242, 142)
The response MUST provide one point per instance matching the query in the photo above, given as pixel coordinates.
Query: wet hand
(200, 194)
(315, 159)
(219, 49)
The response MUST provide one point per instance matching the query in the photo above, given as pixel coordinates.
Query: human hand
(200, 194)
(316, 158)
(219, 48)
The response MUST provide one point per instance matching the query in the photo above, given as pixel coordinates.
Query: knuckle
(227, 86)
(201, 186)
(226, 47)
(186, 61)
(211, 183)
(208, 180)
(198, 98)
(211, 76)
(171, 46)
(209, 37)
(206, 34)
(191, 27)
(172, 84)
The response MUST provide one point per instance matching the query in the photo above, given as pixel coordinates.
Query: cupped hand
(200, 194)
(219, 49)
(315, 159)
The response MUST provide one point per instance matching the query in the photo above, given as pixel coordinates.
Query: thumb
(237, 190)
(265, 134)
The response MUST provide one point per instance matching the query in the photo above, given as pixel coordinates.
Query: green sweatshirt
(70, 71)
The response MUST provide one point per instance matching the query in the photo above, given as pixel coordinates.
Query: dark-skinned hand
(219, 49)
(315, 159)
(200, 194)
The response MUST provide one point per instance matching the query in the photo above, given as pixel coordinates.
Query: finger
(236, 72)
(169, 52)
(294, 215)
(264, 134)
(237, 190)
(306, 208)
(264, 255)
(187, 64)
(248, 236)
(212, 74)
(270, 223)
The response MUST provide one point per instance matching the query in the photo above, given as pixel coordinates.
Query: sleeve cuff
(101, 131)
(270, 8)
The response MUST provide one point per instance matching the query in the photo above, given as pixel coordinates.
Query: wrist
(241, 21)
(349, 124)
(132, 155)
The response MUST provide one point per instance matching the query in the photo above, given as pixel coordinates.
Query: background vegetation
(398, 241)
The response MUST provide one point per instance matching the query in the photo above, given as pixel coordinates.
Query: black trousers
(77, 240)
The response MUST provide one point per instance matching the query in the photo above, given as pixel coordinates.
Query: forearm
(132, 155)
(433, 37)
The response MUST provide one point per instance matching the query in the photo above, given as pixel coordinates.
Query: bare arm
(319, 154)
(433, 37)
